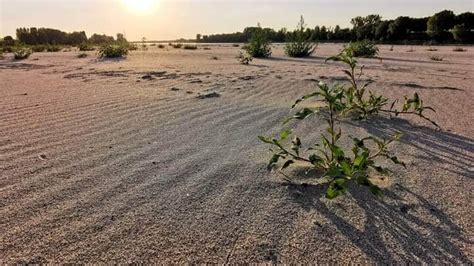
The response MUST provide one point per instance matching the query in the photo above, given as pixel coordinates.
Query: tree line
(442, 27)
(47, 36)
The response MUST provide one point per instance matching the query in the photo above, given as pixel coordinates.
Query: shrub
(161, 46)
(362, 49)
(8, 49)
(82, 55)
(300, 44)
(38, 48)
(259, 46)
(190, 47)
(459, 49)
(207, 48)
(235, 45)
(84, 47)
(130, 46)
(436, 58)
(113, 51)
(431, 49)
(177, 45)
(340, 165)
(53, 48)
(244, 57)
(22, 53)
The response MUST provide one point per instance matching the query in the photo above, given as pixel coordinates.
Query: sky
(172, 19)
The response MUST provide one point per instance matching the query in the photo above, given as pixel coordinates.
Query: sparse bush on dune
(436, 58)
(341, 165)
(361, 49)
(207, 48)
(84, 47)
(258, 46)
(21, 53)
(53, 48)
(177, 45)
(190, 47)
(244, 57)
(299, 43)
(161, 46)
(82, 55)
(459, 49)
(113, 51)
(235, 45)
(38, 48)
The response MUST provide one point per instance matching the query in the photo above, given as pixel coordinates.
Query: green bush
(113, 51)
(259, 46)
(299, 43)
(38, 48)
(362, 49)
(190, 47)
(53, 48)
(342, 165)
(21, 53)
(84, 47)
(244, 58)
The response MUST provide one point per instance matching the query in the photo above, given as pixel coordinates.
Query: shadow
(417, 86)
(393, 232)
(435, 146)
(309, 59)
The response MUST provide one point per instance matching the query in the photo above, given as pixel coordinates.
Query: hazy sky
(170, 19)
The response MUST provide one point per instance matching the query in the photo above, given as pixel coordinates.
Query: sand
(134, 161)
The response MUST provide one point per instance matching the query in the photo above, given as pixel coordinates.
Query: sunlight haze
(171, 19)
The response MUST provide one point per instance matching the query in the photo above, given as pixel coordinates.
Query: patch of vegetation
(244, 57)
(131, 46)
(177, 45)
(113, 51)
(431, 49)
(82, 55)
(342, 165)
(362, 49)
(235, 45)
(300, 44)
(214, 58)
(436, 58)
(190, 47)
(459, 49)
(84, 47)
(259, 46)
(22, 52)
(2, 56)
(38, 48)
(53, 48)
(391, 48)
(161, 46)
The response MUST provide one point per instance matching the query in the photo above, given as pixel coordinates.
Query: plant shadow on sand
(396, 229)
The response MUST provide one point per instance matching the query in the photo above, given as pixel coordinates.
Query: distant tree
(121, 38)
(398, 29)
(381, 32)
(101, 39)
(8, 41)
(460, 33)
(365, 27)
(439, 23)
(466, 19)
(198, 37)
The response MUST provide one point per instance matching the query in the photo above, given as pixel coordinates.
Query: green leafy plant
(362, 49)
(21, 53)
(113, 51)
(244, 58)
(259, 46)
(190, 47)
(299, 43)
(339, 165)
(436, 58)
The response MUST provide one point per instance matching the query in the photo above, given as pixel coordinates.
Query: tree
(364, 27)
(381, 32)
(460, 33)
(440, 23)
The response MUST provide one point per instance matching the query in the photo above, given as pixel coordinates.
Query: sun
(141, 6)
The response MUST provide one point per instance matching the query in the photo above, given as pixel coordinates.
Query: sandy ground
(120, 161)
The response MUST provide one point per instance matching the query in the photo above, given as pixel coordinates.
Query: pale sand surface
(98, 164)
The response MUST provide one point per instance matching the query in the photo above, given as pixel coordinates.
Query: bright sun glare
(141, 6)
